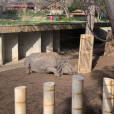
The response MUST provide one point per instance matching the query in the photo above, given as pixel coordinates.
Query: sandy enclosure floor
(14, 75)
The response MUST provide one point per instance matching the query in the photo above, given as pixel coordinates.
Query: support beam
(29, 43)
(1, 49)
(47, 41)
(109, 46)
(56, 41)
(11, 47)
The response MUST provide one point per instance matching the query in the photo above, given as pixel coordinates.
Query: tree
(90, 17)
(89, 8)
(64, 4)
(100, 9)
(3, 4)
(25, 3)
(75, 5)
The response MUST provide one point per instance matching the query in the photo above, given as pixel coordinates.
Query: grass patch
(13, 23)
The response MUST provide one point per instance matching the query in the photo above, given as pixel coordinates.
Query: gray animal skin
(48, 62)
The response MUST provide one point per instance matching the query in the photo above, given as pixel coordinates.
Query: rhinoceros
(50, 62)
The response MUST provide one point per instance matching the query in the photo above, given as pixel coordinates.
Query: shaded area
(70, 42)
(70, 39)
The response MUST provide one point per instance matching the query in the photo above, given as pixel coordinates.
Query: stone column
(47, 41)
(11, 47)
(15, 48)
(33, 42)
(29, 43)
(37, 44)
(56, 41)
(1, 49)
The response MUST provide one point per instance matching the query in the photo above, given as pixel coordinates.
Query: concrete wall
(47, 41)
(56, 41)
(11, 47)
(29, 43)
(2, 49)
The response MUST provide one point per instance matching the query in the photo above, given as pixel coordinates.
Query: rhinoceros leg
(27, 66)
(28, 71)
(54, 70)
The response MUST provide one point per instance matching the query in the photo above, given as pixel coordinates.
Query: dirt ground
(14, 75)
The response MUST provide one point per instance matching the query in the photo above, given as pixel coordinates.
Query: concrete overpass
(49, 27)
(20, 41)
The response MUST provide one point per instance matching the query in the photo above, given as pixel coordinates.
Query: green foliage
(75, 5)
(19, 15)
(77, 18)
(10, 14)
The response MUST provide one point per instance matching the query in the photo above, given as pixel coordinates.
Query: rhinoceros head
(68, 68)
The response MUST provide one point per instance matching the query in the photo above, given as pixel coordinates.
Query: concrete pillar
(56, 41)
(47, 41)
(11, 47)
(29, 43)
(1, 49)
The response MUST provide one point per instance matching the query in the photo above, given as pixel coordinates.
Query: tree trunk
(90, 19)
(65, 7)
(25, 3)
(98, 14)
(66, 11)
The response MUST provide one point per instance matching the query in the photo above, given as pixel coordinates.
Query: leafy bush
(65, 19)
(10, 14)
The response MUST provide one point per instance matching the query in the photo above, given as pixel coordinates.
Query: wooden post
(48, 99)
(108, 96)
(85, 53)
(109, 46)
(20, 100)
(77, 94)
